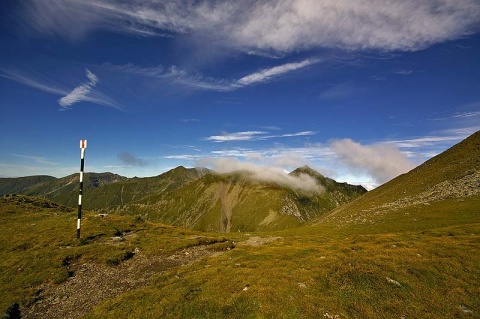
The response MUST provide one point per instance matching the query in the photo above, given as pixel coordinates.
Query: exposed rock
(394, 282)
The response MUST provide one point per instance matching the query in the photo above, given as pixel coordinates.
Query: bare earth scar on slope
(257, 241)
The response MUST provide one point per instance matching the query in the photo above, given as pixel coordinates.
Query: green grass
(306, 273)
(306, 276)
(38, 242)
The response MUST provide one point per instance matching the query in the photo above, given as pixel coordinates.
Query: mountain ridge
(206, 200)
(236, 201)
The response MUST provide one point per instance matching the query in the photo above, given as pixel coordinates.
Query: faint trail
(121, 195)
(94, 283)
(58, 188)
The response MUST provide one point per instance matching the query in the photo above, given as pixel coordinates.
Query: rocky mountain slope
(239, 202)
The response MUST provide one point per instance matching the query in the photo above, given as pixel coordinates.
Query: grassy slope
(18, 185)
(457, 162)
(38, 237)
(400, 205)
(306, 273)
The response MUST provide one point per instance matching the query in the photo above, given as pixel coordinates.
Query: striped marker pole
(83, 146)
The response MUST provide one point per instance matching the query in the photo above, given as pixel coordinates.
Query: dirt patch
(257, 241)
(93, 283)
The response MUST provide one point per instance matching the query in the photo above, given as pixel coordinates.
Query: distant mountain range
(202, 199)
(196, 198)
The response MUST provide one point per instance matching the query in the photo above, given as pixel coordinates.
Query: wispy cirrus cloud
(341, 91)
(446, 136)
(271, 73)
(253, 136)
(25, 79)
(199, 81)
(237, 136)
(83, 92)
(190, 120)
(268, 27)
(458, 115)
(403, 72)
(36, 159)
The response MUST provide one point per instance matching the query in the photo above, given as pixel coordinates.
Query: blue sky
(360, 91)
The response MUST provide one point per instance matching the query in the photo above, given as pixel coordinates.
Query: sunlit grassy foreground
(315, 273)
(324, 271)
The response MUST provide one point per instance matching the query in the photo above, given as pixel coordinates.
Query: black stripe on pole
(83, 145)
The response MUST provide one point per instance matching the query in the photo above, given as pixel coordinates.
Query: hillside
(196, 198)
(22, 184)
(101, 189)
(236, 202)
(440, 186)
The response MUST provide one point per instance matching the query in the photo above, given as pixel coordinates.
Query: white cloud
(403, 72)
(78, 94)
(459, 115)
(269, 26)
(382, 162)
(267, 74)
(385, 25)
(238, 136)
(36, 159)
(92, 77)
(253, 136)
(196, 80)
(270, 174)
(467, 114)
(438, 141)
(341, 91)
(303, 133)
(24, 79)
(342, 160)
(81, 92)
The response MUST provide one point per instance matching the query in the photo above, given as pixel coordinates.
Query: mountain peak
(305, 169)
